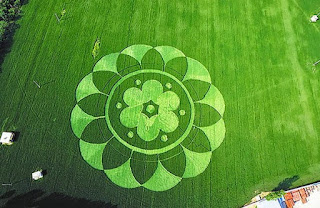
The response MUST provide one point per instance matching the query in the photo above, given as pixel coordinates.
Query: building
(7, 138)
(303, 197)
(314, 18)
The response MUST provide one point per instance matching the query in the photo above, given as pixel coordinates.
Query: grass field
(259, 55)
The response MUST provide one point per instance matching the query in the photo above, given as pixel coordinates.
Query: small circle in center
(150, 109)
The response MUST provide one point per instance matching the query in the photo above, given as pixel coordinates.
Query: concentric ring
(154, 151)
(191, 146)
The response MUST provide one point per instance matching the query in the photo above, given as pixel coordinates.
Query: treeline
(9, 12)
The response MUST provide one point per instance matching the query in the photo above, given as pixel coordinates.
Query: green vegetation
(3, 27)
(275, 195)
(9, 11)
(259, 55)
(96, 48)
(150, 116)
(63, 12)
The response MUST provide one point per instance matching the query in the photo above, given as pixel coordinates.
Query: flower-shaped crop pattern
(148, 128)
(148, 124)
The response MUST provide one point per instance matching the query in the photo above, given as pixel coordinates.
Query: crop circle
(144, 111)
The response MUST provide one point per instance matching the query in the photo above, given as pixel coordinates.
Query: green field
(259, 55)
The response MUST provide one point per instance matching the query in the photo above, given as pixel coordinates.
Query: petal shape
(168, 121)
(86, 87)
(174, 161)
(168, 100)
(168, 53)
(205, 115)
(196, 162)
(115, 154)
(215, 133)
(137, 51)
(148, 128)
(107, 63)
(161, 180)
(133, 97)
(214, 99)
(196, 71)
(122, 176)
(96, 132)
(147, 163)
(151, 89)
(92, 153)
(129, 117)
(80, 120)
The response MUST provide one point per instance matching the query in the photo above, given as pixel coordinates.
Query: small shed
(7, 138)
(37, 175)
(314, 18)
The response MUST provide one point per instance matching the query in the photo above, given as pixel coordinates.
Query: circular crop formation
(148, 125)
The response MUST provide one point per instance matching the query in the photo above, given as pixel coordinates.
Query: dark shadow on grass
(16, 136)
(5, 47)
(24, 200)
(37, 198)
(7, 194)
(286, 183)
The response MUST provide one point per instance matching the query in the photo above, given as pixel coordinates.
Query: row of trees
(9, 12)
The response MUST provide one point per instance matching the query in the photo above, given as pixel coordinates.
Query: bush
(96, 48)
(275, 195)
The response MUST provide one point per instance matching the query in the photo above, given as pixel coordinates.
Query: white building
(7, 138)
(314, 18)
(37, 175)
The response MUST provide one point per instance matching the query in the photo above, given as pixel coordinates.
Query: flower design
(152, 92)
(153, 117)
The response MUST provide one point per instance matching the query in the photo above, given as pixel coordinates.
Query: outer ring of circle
(153, 151)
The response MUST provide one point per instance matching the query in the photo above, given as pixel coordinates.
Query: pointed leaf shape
(86, 87)
(196, 71)
(161, 180)
(80, 120)
(196, 162)
(215, 133)
(92, 153)
(137, 51)
(115, 154)
(123, 176)
(168, 53)
(214, 99)
(107, 63)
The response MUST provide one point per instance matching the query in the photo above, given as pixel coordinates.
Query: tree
(2, 12)
(9, 11)
(275, 195)
(3, 27)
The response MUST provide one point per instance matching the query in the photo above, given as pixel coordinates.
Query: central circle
(150, 108)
